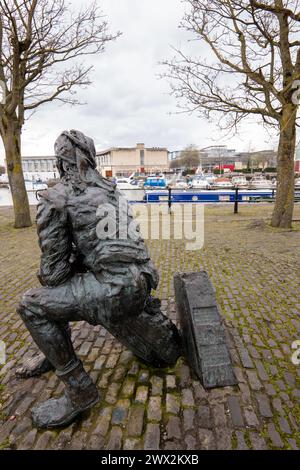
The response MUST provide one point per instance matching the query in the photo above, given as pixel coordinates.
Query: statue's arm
(55, 243)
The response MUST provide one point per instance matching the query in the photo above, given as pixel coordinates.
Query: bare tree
(255, 71)
(190, 156)
(42, 47)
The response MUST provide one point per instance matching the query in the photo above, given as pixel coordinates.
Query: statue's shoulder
(56, 196)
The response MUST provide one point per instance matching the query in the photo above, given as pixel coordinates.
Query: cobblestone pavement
(256, 272)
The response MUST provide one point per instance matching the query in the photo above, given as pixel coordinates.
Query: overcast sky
(127, 102)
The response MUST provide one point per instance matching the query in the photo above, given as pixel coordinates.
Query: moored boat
(260, 182)
(35, 185)
(239, 182)
(222, 183)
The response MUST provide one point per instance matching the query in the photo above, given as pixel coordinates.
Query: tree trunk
(285, 191)
(12, 145)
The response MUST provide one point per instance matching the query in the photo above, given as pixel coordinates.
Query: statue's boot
(34, 366)
(80, 395)
(38, 364)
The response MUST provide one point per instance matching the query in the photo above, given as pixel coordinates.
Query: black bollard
(170, 199)
(236, 201)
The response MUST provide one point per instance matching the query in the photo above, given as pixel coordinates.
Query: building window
(142, 158)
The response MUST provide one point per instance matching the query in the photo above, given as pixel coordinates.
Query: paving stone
(132, 444)
(157, 385)
(255, 383)
(154, 411)
(21, 427)
(219, 417)
(241, 443)
(170, 445)
(152, 437)
(111, 361)
(120, 412)
(257, 441)
(173, 428)
(115, 439)
(119, 373)
(204, 418)
(171, 381)
(84, 348)
(245, 358)
(187, 398)
(190, 441)
(128, 387)
(261, 371)
(235, 412)
(206, 439)
(293, 444)
(264, 405)
(126, 357)
(103, 421)
(223, 438)
(274, 436)
(28, 441)
(95, 442)
(135, 421)
(172, 404)
(251, 417)
(112, 393)
(189, 419)
(141, 394)
(200, 394)
(284, 425)
(143, 376)
(100, 362)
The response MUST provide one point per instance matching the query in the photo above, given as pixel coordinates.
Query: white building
(39, 168)
(114, 162)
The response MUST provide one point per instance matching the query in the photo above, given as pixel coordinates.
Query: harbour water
(139, 195)
(135, 195)
(6, 199)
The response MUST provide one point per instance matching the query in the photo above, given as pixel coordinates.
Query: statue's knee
(25, 308)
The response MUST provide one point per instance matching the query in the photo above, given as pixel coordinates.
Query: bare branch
(253, 43)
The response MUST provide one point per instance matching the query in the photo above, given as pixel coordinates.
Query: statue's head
(74, 152)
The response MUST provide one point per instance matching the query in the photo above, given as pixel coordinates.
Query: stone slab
(203, 331)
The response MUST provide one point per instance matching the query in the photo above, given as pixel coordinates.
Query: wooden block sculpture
(203, 332)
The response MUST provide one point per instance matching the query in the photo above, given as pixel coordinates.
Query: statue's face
(65, 154)
(64, 148)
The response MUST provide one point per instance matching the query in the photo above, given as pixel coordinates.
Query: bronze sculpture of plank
(203, 333)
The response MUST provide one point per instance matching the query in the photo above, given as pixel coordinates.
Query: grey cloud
(127, 103)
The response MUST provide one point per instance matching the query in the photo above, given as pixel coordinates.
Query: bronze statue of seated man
(94, 267)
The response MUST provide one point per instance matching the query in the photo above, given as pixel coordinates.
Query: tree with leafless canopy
(42, 49)
(255, 70)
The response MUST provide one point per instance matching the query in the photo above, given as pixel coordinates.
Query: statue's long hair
(84, 159)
